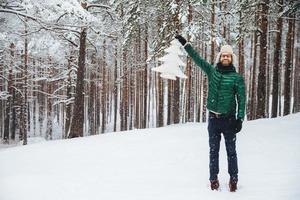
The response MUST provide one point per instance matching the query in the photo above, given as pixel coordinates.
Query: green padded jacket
(226, 91)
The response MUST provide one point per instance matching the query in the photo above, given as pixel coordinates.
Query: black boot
(232, 185)
(214, 184)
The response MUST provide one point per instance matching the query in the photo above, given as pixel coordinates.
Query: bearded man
(226, 105)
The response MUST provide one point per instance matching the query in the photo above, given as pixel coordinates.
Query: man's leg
(214, 147)
(230, 142)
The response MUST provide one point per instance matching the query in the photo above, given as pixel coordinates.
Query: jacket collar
(225, 69)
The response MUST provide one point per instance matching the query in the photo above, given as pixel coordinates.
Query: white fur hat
(226, 49)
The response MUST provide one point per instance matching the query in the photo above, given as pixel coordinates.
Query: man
(226, 104)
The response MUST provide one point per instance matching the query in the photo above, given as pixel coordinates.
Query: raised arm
(202, 63)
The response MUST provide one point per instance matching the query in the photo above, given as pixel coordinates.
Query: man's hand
(181, 39)
(238, 125)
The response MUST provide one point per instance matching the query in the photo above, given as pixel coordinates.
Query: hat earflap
(233, 61)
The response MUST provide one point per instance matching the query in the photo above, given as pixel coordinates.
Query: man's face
(226, 59)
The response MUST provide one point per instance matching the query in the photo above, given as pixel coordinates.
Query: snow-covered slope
(168, 163)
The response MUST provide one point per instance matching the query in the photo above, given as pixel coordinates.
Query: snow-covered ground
(168, 163)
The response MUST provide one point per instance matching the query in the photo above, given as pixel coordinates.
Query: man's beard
(226, 64)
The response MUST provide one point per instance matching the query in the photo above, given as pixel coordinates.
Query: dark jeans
(216, 126)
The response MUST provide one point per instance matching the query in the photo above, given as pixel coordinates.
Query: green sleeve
(241, 97)
(203, 64)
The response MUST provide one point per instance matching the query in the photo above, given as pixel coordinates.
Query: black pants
(217, 126)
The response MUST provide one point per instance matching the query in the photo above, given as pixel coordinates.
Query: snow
(48, 46)
(51, 10)
(33, 140)
(169, 163)
(4, 95)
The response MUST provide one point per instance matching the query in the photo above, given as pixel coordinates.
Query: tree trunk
(78, 113)
(145, 82)
(241, 66)
(139, 85)
(8, 111)
(124, 107)
(261, 85)
(34, 97)
(296, 104)
(254, 75)
(24, 116)
(277, 56)
(189, 107)
(176, 83)
(133, 113)
(205, 87)
(104, 88)
(288, 70)
(212, 57)
(160, 101)
(14, 119)
(170, 103)
(98, 98)
(69, 96)
(49, 132)
(92, 97)
(2, 84)
(115, 92)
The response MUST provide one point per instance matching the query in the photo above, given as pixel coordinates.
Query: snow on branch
(15, 7)
(20, 14)
(97, 6)
(46, 26)
(4, 95)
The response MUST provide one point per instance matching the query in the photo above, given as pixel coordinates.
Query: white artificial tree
(171, 62)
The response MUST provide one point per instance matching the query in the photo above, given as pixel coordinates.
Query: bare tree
(261, 85)
(288, 65)
(277, 53)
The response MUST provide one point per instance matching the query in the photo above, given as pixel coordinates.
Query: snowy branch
(103, 34)
(12, 7)
(4, 95)
(274, 31)
(64, 29)
(66, 101)
(99, 6)
(4, 77)
(91, 43)
(73, 43)
(44, 25)
(61, 17)
(29, 33)
(18, 90)
(20, 14)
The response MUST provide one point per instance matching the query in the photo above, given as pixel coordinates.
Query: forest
(71, 68)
